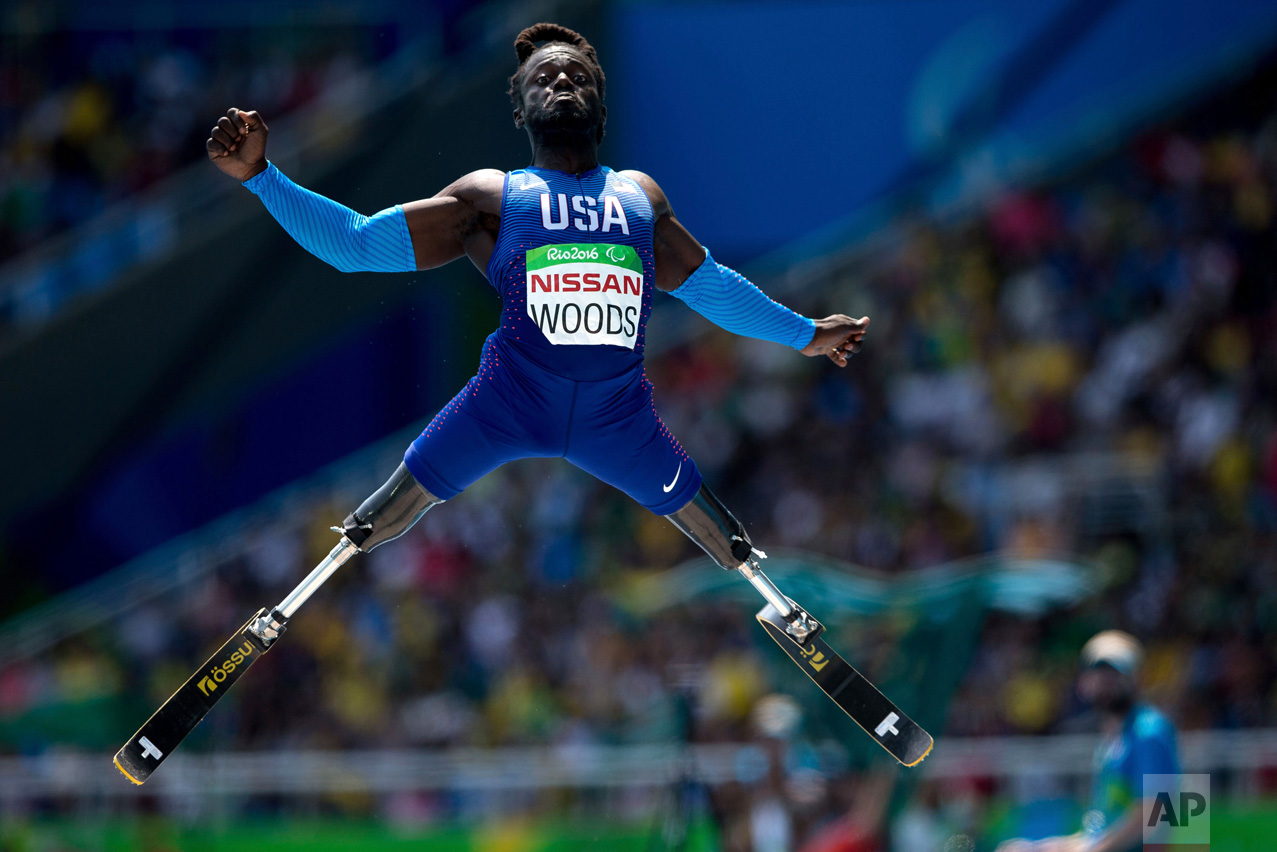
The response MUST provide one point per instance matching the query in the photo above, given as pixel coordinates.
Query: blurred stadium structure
(1060, 217)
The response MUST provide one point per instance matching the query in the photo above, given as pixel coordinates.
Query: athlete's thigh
(617, 436)
(493, 420)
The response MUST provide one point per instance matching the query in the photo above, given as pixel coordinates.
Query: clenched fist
(237, 145)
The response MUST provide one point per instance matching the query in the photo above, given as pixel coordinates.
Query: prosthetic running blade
(155, 740)
(852, 691)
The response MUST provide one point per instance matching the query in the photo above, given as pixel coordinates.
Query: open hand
(838, 337)
(237, 144)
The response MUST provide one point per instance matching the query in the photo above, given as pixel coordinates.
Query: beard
(564, 122)
(1115, 703)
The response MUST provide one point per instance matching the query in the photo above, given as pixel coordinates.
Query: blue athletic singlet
(563, 375)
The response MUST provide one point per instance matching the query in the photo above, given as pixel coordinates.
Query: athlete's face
(1106, 688)
(560, 95)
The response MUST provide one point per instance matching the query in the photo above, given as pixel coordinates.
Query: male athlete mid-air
(575, 250)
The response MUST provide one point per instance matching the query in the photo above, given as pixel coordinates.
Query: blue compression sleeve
(333, 232)
(728, 299)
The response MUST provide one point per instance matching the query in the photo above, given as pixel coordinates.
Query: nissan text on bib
(587, 294)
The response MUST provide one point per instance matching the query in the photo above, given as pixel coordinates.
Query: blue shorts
(514, 410)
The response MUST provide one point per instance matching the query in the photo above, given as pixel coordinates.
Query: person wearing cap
(1137, 740)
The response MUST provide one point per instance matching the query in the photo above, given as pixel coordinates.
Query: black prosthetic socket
(707, 522)
(389, 512)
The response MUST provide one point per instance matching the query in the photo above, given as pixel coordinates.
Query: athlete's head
(1110, 667)
(557, 90)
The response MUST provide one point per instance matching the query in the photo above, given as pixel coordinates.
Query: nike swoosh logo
(676, 473)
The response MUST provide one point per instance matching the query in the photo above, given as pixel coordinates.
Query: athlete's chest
(604, 207)
(575, 257)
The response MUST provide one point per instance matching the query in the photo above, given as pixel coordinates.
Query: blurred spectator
(1138, 741)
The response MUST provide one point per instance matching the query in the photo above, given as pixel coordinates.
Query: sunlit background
(1061, 217)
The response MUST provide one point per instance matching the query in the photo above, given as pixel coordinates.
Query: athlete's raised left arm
(685, 269)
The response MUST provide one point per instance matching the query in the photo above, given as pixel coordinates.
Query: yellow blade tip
(125, 771)
(924, 755)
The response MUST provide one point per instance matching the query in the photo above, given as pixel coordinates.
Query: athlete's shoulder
(480, 189)
(655, 195)
(643, 178)
(1151, 723)
(476, 187)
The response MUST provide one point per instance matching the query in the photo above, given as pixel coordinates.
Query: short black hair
(526, 45)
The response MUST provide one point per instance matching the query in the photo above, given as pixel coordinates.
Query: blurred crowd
(1131, 311)
(1087, 367)
(88, 117)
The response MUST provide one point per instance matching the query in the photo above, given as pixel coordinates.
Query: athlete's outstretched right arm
(403, 238)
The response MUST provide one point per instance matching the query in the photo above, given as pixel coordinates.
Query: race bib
(586, 294)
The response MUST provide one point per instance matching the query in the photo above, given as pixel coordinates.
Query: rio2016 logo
(219, 673)
(572, 253)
